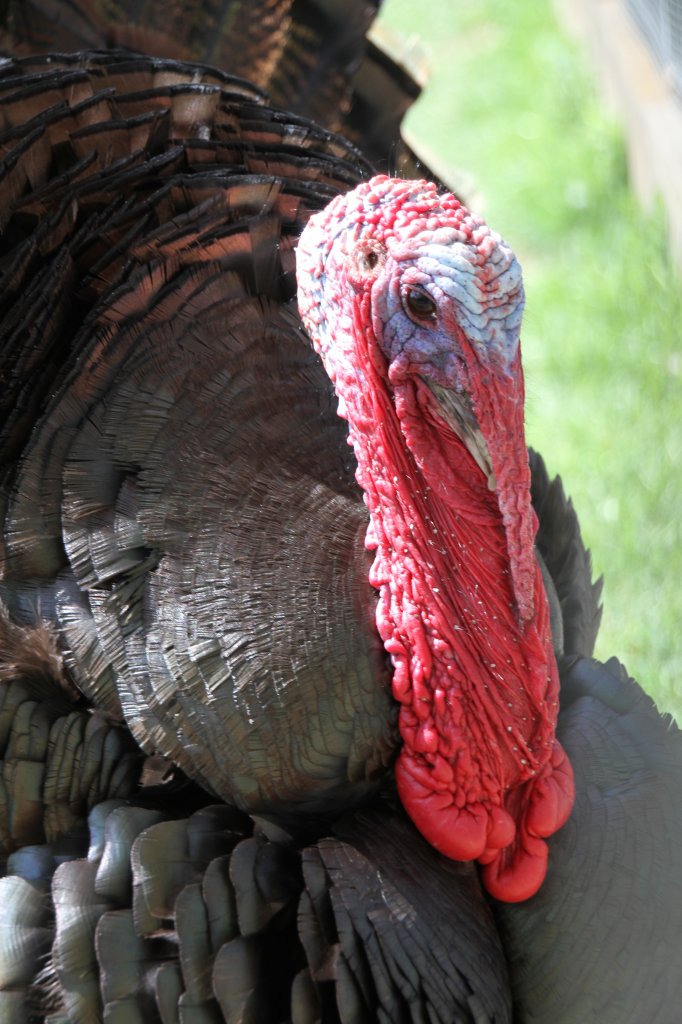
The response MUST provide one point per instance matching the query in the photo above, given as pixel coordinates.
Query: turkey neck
(476, 680)
(470, 677)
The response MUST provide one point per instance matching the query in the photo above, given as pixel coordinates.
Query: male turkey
(179, 500)
(131, 505)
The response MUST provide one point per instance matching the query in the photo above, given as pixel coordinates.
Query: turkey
(108, 522)
(162, 404)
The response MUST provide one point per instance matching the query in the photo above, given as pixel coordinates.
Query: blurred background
(522, 115)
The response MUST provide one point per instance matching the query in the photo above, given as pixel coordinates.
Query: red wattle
(457, 832)
(551, 798)
(519, 878)
(514, 860)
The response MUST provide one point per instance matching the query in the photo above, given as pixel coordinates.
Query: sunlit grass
(511, 106)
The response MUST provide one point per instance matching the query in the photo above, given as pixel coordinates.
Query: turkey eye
(419, 304)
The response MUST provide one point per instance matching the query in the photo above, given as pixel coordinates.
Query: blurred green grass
(511, 105)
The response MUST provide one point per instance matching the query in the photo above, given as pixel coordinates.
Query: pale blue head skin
(487, 319)
(472, 277)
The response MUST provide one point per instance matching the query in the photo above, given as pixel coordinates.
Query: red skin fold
(480, 772)
(462, 609)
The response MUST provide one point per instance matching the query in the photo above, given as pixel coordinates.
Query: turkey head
(415, 307)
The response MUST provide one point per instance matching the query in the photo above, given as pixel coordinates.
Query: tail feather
(311, 57)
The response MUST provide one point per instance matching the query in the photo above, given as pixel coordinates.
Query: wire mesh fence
(661, 24)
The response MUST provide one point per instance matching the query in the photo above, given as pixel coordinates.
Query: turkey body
(128, 511)
(179, 501)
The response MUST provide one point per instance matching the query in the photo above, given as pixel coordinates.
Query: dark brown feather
(600, 941)
(57, 758)
(310, 56)
(394, 951)
(568, 561)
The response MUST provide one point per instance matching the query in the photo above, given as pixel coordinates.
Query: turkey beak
(458, 413)
(489, 421)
